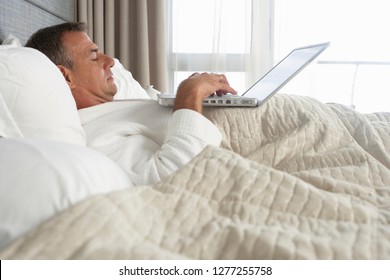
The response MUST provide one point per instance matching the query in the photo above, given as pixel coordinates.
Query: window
(355, 69)
(220, 36)
(212, 36)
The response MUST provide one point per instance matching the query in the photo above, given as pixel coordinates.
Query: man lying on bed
(147, 159)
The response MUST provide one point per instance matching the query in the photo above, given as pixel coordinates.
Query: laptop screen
(284, 71)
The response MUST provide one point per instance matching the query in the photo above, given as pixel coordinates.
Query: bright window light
(194, 23)
(209, 35)
(355, 69)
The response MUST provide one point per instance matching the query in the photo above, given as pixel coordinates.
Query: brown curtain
(132, 31)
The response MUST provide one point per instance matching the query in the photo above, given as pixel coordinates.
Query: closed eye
(94, 54)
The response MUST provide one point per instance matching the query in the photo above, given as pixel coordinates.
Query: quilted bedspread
(293, 179)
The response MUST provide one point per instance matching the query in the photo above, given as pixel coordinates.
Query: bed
(293, 179)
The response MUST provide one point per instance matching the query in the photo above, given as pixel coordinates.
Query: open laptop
(266, 86)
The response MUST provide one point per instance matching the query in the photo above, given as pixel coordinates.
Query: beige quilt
(294, 179)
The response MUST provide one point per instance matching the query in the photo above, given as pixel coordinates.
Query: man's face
(92, 81)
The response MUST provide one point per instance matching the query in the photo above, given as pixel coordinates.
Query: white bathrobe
(147, 140)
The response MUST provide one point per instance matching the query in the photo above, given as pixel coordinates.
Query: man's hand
(192, 91)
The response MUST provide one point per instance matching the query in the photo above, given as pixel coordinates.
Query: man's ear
(68, 75)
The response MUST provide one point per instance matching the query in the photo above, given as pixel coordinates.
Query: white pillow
(12, 41)
(128, 87)
(40, 178)
(8, 126)
(36, 96)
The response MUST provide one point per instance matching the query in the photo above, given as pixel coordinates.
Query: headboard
(21, 18)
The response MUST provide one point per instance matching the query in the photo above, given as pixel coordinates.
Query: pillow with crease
(128, 87)
(40, 178)
(35, 100)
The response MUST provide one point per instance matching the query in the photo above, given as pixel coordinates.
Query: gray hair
(49, 41)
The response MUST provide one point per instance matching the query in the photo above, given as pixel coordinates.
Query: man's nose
(109, 61)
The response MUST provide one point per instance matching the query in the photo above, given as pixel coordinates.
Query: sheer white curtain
(261, 55)
(228, 36)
